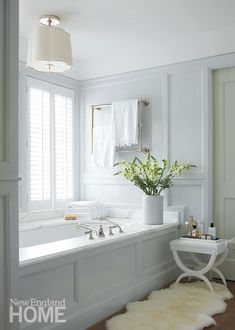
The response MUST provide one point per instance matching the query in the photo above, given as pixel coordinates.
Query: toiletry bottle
(189, 226)
(212, 230)
(195, 231)
(203, 236)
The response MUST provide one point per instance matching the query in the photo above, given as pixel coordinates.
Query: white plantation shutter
(39, 145)
(63, 148)
(50, 145)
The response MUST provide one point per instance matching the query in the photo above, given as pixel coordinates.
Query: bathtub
(60, 229)
(95, 277)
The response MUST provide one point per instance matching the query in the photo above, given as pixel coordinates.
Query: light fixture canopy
(49, 48)
(49, 20)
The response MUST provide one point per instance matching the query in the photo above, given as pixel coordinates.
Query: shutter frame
(68, 94)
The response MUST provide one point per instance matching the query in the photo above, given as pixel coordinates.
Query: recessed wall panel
(229, 217)
(229, 121)
(114, 193)
(189, 196)
(185, 118)
(107, 270)
(55, 283)
(144, 87)
(155, 249)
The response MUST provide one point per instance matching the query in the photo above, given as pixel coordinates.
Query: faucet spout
(100, 232)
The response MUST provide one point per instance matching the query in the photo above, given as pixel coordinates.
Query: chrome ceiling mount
(49, 20)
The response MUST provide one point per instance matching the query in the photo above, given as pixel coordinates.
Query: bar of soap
(70, 217)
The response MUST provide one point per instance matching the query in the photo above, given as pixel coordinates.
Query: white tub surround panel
(98, 277)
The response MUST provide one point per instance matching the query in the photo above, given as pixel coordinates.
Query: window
(50, 145)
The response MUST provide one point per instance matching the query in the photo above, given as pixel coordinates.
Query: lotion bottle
(212, 230)
(189, 226)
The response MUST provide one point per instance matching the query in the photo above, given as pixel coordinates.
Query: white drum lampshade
(49, 49)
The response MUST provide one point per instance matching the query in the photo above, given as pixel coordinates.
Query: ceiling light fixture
(49, 47)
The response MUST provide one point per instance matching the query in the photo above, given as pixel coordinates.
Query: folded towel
(80, 203)
(103, 147)
(87, 209)
(124, 121)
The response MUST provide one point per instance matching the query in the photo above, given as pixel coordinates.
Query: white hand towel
(103, 147)
(125, 120)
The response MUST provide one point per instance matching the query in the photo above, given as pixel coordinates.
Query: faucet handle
(91, 236)
(120, 230)
(100, 232)
(110, 230)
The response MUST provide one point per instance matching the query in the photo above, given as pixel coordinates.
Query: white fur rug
(188, 306)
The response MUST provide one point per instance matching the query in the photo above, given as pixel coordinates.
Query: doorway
(224, 160)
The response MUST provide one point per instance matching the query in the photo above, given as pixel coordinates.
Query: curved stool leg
(191, 272)
(221, 259)
(216, 270)
(202, 277)
(180, 278)
(217, 263)
(195, 273)
(208, 283)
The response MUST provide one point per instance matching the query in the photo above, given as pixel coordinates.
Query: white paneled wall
(173, 129)
(102, 185)
(178, 126)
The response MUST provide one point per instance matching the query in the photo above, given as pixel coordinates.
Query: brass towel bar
(98, 107)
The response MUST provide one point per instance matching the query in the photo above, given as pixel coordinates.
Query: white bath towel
(125, 120)
(103, 147)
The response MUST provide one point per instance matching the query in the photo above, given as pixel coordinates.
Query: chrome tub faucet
(100, 232)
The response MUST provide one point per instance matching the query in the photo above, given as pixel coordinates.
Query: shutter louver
(63, 148)
(39, 145)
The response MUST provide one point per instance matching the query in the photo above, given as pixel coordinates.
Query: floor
(225, 321)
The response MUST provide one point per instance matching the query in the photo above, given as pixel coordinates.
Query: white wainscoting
(99, 281)
(176, 128)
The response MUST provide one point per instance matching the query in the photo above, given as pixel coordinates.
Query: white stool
(212, 248)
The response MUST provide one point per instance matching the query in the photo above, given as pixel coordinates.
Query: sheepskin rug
(189, 306)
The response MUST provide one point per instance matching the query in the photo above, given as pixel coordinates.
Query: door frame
(9, 252)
